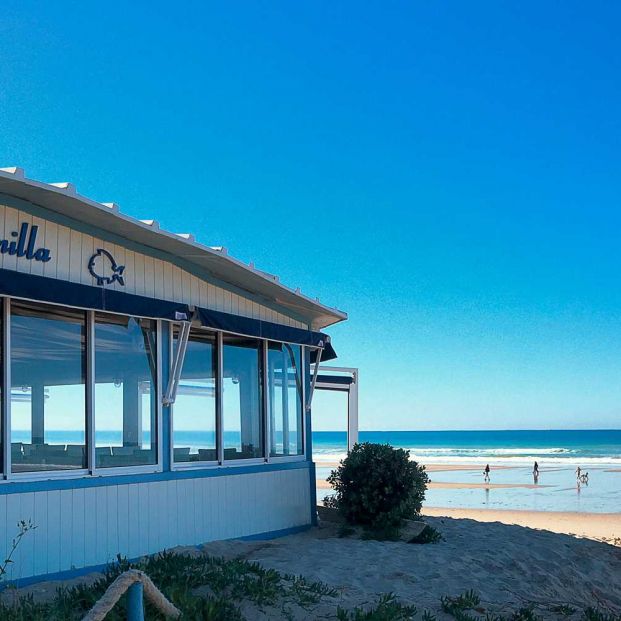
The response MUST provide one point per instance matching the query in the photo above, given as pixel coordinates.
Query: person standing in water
(486, 473)
(536, 472)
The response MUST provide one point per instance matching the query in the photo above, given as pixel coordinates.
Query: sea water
(455, 447)
(511, 454)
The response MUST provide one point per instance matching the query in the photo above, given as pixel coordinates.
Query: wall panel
(85, 527)
(70, 251)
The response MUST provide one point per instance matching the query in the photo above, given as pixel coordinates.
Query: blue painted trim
(166, 410)
(309, 447)
(313, 494)
(70, 574)
(53, 216)
(275, 534)
(20, 487)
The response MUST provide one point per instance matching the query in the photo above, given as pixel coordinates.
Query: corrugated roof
(64, 199)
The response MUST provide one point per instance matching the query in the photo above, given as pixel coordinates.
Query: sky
(446, 173)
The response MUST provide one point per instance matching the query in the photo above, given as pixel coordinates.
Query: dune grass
(213, 589)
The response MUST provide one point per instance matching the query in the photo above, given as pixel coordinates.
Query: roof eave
(63, 198)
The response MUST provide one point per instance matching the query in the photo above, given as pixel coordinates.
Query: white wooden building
(155, 392)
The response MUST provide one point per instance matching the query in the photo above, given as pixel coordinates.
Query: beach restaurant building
(155, 392)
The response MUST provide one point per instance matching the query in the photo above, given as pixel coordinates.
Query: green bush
(377, 487)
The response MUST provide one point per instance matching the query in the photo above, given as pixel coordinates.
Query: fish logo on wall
(103, 263)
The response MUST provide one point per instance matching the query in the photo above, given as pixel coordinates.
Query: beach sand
(321, 484)
(604, 527)
(509, 566)
(599, 526)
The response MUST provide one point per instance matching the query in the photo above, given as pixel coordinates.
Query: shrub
(377, 487)
(429, 534)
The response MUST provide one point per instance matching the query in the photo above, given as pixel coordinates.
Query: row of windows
(245, 371)
(63, 363)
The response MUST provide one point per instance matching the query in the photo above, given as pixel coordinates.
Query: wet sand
(321, 484)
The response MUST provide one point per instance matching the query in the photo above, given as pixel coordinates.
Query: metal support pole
(352, 413)
(135, 607)
(314, 381)
(175, 373)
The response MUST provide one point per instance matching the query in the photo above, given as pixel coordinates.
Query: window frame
(300, 456)
(195, 465)
(6, 475)
(236, 463)
(158, 466)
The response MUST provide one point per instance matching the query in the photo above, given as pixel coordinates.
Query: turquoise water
(575, 446)
(558, 453)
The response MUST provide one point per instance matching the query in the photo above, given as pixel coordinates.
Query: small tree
(378, 487)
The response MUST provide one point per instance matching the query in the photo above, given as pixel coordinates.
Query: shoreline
(516, 493)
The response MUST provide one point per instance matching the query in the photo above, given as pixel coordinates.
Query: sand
(599, 526)
(509, 566)
(321, 484)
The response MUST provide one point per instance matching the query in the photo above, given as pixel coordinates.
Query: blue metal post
(135, 607)
(309, 442)
(166, 439)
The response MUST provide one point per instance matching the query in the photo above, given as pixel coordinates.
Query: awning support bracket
(314, 380)
(175, 374)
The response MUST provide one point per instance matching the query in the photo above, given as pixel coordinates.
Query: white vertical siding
(70, 251)
(85, 527)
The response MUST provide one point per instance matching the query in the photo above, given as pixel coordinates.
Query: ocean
(558, 453)
(521, 446)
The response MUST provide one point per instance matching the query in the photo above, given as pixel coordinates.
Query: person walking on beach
(578, 471)
(536, 472)
(486, 473)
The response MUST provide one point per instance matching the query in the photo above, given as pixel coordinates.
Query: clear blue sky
(447, 173)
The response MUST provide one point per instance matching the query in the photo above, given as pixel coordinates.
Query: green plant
(429, 534)
(563, 609)
(524, 614)
(595, 614)
(23, 526)
(377, 486)
(386, 609)
(459, 606)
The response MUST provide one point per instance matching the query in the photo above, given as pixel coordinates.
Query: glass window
(284, 381)
(242, 409)
(48, 388)
(125, 391)
(194, 411)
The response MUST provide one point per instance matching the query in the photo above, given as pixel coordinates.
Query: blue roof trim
(236, 324)
(20, 487)
(55, 291)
